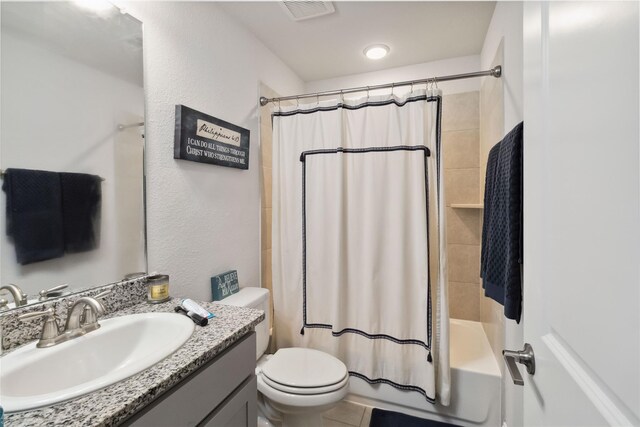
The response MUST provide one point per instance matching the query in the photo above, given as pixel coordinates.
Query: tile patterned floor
(347, 414)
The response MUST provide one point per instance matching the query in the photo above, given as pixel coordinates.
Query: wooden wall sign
(224, 284)
(205, 139)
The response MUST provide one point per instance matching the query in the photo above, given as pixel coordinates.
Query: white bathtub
(475, 384)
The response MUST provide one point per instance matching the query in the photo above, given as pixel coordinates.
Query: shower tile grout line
(460, 130)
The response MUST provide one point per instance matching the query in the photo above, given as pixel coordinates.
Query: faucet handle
(37, 314)
(4, 304)
(50, 329)
(45, 293)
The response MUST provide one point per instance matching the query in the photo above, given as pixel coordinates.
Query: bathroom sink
(33, 377)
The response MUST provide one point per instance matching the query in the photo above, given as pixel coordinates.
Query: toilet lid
(303, 390)
(304, 367)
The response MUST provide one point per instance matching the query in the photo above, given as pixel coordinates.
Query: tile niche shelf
(467, 205)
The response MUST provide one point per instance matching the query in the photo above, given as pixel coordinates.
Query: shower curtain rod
(494, 72)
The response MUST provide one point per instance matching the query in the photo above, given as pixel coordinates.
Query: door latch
(525, 356)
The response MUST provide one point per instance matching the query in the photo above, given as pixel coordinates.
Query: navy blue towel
(34, 214)
(81, 204)
(501, 255)
(492, 162)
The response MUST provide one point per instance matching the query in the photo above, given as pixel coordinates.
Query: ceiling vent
(299, 10)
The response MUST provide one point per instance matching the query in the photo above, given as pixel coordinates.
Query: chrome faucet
(82, 318)
(19, 297)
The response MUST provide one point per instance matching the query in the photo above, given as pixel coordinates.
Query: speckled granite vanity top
(112, 405)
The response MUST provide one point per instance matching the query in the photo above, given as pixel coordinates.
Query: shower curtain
(359, 255)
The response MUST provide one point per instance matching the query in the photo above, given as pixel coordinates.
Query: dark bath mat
(382, 418)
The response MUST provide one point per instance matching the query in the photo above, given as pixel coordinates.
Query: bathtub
(475, 384)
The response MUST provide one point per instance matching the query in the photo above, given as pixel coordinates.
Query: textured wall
(203, 219)
(458, 65)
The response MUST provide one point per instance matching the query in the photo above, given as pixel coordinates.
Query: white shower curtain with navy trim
(359, 255)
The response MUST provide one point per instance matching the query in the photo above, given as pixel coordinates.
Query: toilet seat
(303, 371)
(305, 390)
(300, 403)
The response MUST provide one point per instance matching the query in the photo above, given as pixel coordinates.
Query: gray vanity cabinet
(223, 392)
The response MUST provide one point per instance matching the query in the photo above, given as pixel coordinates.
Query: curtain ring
(435, 82)
(341, 96)
(368, 94)
(318, 99)
(393, 86)
(297, 102)
(411, 90)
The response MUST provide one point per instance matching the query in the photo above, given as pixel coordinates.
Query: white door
(582, 213)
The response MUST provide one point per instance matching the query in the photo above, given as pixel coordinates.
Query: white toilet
(295, 385)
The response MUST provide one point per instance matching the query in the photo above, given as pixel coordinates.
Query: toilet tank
(257, 298)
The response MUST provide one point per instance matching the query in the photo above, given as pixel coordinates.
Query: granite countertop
(114, 404)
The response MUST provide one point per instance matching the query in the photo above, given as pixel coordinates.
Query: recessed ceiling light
(376, 51)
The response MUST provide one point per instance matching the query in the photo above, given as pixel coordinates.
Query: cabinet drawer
(190, 401)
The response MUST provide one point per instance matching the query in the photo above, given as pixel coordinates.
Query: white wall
(506, 27)
(203, 219)
(458, 65)
(506, 24)
(61, 115)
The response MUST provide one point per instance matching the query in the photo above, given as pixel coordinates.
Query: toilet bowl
(295, 385)
(299, 384)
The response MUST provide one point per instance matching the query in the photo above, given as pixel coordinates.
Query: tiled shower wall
(461, 151)
(461, 142)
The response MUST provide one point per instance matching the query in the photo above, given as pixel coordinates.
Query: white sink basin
(33, 377)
